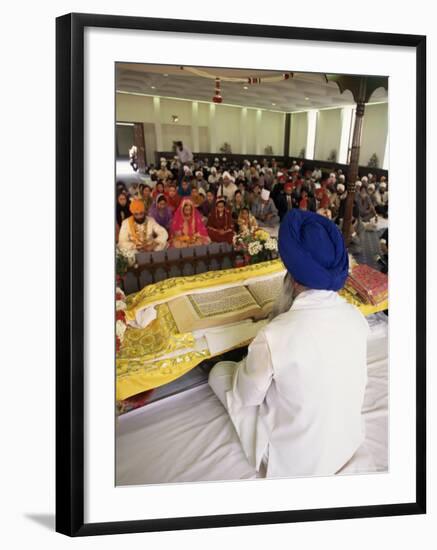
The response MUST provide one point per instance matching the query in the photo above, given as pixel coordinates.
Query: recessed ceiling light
(245, 88)
(153, 87)
(165, 74)
(273, 104)
(307, 98)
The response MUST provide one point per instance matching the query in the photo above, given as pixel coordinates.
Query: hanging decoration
(243, 80)
(218, 96)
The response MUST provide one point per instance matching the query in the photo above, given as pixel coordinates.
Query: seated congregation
(198, 204)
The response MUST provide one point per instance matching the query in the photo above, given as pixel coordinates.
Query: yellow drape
(139, 363)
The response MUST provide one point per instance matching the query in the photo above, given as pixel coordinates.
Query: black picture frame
(70, 273)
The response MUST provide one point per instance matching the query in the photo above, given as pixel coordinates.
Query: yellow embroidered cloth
(158, 354)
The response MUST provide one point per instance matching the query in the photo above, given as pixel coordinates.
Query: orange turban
(137, 206)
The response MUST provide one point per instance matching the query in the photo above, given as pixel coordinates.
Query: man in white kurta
(296, 399)
(227, 188)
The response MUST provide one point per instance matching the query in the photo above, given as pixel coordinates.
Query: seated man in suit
(285, 200)
(265, 210)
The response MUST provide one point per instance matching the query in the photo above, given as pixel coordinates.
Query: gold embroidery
(138, 231)
(169, 288)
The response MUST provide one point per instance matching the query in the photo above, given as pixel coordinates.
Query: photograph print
(251, 258)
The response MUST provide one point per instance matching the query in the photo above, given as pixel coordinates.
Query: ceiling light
(153, 87)
(175, 118)
(165, 74)
(273, 104)
(245, 87)
(307, 98)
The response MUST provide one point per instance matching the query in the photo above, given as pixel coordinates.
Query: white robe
(154, 232)
(227, 191)
(297, 396)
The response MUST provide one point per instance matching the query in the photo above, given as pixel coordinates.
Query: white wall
(251, 131)
(375, 127)
(328, 133)
(261, 127)
(176, 132)
(134, 108)
(226, 124)
(273, 132)
(298, 133)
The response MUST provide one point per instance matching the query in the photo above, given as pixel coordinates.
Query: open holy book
(229, 305)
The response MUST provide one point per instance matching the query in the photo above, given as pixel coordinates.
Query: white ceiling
(288, 95)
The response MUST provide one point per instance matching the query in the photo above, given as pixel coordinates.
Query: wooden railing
(152, 267)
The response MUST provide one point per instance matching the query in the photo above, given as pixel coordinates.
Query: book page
(222, 302)
(224, 338)
(266, 292)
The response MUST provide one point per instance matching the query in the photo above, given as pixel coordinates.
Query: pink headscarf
(195, 223)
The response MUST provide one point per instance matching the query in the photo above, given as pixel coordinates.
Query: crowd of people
(194, 202)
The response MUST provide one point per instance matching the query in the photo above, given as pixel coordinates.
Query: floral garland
(120, 318)
(124, 259)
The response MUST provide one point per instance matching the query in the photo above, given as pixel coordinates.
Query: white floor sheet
(189, 436)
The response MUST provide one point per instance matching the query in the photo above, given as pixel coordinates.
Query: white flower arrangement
(271, 244)
(129, 255)
(255, 248)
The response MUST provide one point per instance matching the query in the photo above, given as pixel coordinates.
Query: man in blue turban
(295, 400)
(313, 250)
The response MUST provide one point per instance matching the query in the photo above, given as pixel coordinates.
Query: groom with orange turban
(141, 232)
(295, 400)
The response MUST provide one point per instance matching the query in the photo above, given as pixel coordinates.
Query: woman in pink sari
(187, 227)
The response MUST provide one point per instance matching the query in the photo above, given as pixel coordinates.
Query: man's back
(312, 410)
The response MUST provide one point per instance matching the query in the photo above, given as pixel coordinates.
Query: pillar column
(157, 121)
(353, 171)
(258, 131)
(311, 134)
(195, 126)
(243, 131)
(385, 162)
(287, 130)
(140, 145)
(212, 129)
(346, 122)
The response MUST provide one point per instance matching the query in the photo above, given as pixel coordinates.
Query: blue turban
(313, 250)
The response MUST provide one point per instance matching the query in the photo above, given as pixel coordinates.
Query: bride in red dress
(220, 224)
(187, 228)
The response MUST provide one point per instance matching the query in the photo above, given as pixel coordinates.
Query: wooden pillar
(140, 145)
(362, 88)
(287, 135)
(353, 171)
